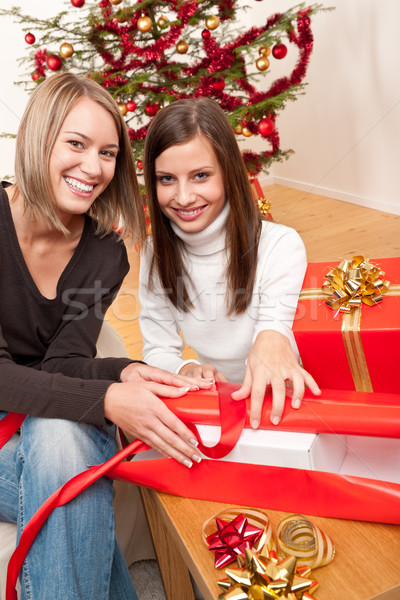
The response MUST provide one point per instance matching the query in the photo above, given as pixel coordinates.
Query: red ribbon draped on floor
(275, 488)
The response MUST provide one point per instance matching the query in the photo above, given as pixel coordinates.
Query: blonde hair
(120, 204)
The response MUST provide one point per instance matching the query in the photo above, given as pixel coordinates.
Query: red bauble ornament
(205, 34)
(218, 85)
(266, 127)
(140, 164)
(131, 105)
(279, 51)
(30, 38)
(152, 109)
(35, 76)
(78, 3)
(54, 62)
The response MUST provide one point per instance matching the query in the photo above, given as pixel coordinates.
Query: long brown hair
(178, 123)
(120, 203)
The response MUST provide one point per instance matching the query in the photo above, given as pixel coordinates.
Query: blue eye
(201, 176)
(165, 178)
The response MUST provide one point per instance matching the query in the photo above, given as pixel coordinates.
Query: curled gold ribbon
(298, 537)
(353, 282)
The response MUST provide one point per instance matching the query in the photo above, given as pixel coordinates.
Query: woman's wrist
(183, 364)
(109, 401)
(124, 375)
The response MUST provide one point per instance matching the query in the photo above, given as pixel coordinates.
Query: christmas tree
(150, 53)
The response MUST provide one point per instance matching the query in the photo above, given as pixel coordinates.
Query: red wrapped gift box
(357, 351)
(320, 493)
(263, 486)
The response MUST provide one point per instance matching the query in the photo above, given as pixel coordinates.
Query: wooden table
(366, 564)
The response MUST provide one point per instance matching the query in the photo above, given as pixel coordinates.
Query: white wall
(13, 47)
(344, 130)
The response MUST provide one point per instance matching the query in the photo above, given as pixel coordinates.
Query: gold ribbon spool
(298, 537)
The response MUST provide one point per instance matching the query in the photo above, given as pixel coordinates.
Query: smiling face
(83, 158)
(189, 184)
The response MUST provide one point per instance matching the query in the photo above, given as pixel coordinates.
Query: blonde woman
(61, 265)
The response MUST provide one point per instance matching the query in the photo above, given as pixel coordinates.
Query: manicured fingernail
(255, 424)
(275, 420)
(211, 380)
(194, 443)
(296, 403)
(188, 463)
(184, 389)
(197, 458)
(196, 387)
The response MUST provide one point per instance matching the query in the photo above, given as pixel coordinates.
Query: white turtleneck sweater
(217, 339)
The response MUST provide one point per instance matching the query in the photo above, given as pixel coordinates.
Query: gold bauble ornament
(162, 21)
(262, 63)
(238, 129)
(66, 50)
(122, 108)
(122, 17)
(144, 24)
(182, 47)
(246, 132)
(115, 2)
(212, 22)
(264, 50)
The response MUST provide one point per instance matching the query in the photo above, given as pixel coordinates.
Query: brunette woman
(214, 270)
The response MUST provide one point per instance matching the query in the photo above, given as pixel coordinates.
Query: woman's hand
(148, 373)
(135, 406)
(271, 361)
(204, 371)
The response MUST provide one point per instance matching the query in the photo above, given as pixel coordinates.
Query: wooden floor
(330, 229)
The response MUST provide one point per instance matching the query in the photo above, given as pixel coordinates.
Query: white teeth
(77, 185)
(189, 212)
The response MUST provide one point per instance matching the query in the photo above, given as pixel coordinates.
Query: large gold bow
(354, 282)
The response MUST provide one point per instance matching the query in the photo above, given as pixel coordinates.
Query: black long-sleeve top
(47, 347)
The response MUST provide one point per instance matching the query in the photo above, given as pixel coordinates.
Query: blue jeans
(76, 555)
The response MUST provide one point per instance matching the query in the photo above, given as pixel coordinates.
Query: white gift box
(317, 452)
(361, 456)
(372, 457)
(322, 452)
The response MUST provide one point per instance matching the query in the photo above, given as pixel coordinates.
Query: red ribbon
(9, 425)
(284, 489)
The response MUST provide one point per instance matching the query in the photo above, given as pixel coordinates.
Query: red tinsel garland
(142, 52)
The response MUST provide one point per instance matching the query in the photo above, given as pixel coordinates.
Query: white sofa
(131, 523)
